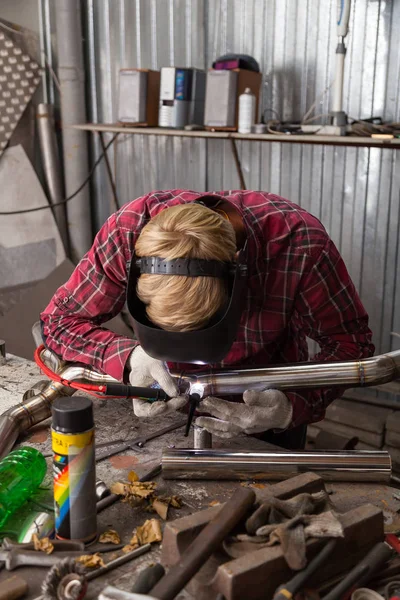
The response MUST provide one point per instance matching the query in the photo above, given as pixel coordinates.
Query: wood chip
(134, 490)
(176, 501)
(120, 488)
(133, 544)
(110, 537)
(143, 490)
(43, 544)
(149, 532)
(161, 508)
(90, 561)
(214, 503)
(132, 476)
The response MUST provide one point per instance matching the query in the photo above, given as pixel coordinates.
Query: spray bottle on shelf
(247, 111)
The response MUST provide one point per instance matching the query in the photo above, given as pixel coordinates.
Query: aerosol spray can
(74, 469)
(247, 111)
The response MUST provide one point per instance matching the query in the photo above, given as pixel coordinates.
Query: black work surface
(114, 419)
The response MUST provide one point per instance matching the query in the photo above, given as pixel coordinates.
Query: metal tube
(355, 465)
(21, 417)
(369, 371)
(202, 439)
(52, 168)
(359, 373)
(73, 110)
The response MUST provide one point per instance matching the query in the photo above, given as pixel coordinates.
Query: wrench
(60, 545)
(15, 558)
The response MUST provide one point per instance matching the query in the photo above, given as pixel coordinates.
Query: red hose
(86, 387)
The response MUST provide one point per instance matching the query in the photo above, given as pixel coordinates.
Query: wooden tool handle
(204, 545)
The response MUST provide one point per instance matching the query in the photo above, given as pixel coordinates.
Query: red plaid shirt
(298, 286)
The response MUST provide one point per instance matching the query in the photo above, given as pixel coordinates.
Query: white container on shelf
(247, 111)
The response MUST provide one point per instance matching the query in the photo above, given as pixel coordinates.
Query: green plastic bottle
(21, 473)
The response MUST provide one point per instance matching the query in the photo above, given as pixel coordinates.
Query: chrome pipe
(356, 465)
(21, 417)
(358, 373)
(202, 439)
(367, 372)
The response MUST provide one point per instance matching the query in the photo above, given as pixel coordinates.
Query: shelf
(331, 140)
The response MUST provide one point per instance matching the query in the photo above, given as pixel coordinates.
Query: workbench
(115, 419)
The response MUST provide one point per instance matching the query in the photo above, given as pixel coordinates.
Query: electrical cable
(94, 389)
(47, 206)
(314, 104)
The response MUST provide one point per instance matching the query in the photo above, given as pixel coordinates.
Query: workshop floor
(115, 419)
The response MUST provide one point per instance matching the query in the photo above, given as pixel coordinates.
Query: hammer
(208, 540)
(203, 546)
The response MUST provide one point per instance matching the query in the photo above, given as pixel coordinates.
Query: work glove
(144, 372)
(261, 411)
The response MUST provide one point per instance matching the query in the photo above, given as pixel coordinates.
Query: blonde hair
(175, 302)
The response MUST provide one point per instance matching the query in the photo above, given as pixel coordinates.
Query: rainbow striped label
(74, 472)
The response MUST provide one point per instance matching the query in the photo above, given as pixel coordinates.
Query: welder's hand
(260, 412)
(144, 372)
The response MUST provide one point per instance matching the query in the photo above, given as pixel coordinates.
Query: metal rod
(113, 205)
(356, 465)
(238, 164)
(202, 439)
(121, 560)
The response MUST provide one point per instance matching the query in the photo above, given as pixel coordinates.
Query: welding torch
(153, 395)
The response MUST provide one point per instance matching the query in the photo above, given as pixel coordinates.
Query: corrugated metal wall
(354, 191)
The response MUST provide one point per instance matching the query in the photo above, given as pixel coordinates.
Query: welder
(216, 279)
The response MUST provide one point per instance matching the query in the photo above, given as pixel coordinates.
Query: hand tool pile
(342, 553)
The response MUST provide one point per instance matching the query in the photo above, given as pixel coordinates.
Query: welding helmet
(207, 345)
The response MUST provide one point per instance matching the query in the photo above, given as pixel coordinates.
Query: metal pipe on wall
(356, 465)
(52, 168)
(73, 110)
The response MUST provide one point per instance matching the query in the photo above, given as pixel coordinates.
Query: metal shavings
(42, 545)
(110, 536)
(149, 532)
(90, 561)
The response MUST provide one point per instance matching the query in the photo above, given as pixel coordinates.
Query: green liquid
(21, 473)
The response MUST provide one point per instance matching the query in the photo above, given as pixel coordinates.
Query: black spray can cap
(72, 415)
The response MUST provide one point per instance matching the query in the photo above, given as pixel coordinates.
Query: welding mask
(208, 345)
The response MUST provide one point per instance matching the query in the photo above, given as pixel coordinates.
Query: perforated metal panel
(19, 78)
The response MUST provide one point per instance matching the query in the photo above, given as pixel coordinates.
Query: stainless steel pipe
(366, 372)
(21, 417)
(357, 373)
(356, 465)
